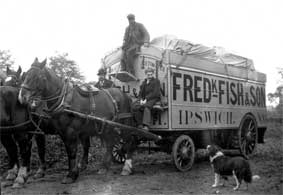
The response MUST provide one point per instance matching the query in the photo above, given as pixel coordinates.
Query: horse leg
(130, 147)
(107, 158)
(70, 140)
(40, 142)
(85, 141)
(25, 144)
(12, 150)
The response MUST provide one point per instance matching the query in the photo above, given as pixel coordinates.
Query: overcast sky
(87, 29)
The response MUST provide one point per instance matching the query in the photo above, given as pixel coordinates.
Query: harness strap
(61, 98)
(114, 103)
(92, 104)
(38, 130)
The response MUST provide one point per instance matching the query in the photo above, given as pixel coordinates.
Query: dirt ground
(155, 174)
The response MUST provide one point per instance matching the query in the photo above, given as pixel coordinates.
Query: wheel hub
(184, 152)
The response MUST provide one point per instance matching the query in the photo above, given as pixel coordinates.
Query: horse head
(13, 78)
(40, 84)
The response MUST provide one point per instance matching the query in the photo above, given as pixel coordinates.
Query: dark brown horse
(42, 84)
(13, 114)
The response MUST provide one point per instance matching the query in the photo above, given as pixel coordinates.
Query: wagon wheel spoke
(244, 144)
(248, 135)
(250, 125)
(183, 153)
(118, 153)
(250, 148)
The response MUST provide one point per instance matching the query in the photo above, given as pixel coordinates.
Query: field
(154, 173)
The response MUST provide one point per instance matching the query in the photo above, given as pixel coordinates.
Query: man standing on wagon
(135, 36)
(149, 94)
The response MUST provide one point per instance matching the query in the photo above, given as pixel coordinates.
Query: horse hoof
(67, 180)
(12, 173)
(126, 172)
(236, 188)
(11, 176)
(17, 185)
(102, 171)
(20, 180)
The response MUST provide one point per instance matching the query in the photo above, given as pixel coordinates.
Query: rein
(37, 125)
(15, 126)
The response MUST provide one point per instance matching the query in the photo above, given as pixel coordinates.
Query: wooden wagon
(208, 96)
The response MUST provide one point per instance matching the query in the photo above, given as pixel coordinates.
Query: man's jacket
(150, 91)
(135, 34)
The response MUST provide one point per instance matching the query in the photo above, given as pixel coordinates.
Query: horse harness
(64, 96)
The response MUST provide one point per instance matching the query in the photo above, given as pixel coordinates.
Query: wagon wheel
(118, 154)
(183, 152)
(248, 135)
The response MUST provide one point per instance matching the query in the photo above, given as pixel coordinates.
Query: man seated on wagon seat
(135, 36)
(103, 83)
(149, 94)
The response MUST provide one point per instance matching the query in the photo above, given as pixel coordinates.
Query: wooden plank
(122, 127)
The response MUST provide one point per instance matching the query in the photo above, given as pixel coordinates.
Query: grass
(272, 148)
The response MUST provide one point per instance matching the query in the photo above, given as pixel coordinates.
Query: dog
(224, 166)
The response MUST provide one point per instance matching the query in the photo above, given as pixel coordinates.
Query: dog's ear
(213, 149)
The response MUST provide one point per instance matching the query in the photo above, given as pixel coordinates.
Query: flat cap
(131, 16)
(101, 71)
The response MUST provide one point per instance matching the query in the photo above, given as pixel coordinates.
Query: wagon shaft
(122, 127)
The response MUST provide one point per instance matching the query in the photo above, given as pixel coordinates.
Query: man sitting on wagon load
(149, 94)
(135, 36)
(103, 83)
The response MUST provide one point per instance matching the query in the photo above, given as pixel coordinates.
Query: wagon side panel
(209, 101)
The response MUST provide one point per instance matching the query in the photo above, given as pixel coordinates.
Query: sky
(89, 29)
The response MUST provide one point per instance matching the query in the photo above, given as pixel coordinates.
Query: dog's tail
(255, 177)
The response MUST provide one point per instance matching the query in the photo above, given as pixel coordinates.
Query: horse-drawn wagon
(208, 95)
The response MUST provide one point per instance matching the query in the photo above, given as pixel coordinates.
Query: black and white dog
(224, 166)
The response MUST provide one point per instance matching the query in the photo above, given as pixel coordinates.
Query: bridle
(59, 95)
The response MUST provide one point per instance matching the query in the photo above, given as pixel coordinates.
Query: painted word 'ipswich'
(198, 88)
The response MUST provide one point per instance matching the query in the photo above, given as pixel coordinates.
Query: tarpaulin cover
(171, 43)
(215, 54)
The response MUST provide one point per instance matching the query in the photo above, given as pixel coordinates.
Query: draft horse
(41, 84)
(14, 115)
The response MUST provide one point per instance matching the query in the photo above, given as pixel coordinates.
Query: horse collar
(56, 107)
